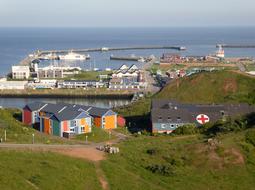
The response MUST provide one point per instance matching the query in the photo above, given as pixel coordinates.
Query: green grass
(89, 75)
(188, 166)
(27, 170)
(216, 87)
(165, 68)
(250, 67)
(97, 135)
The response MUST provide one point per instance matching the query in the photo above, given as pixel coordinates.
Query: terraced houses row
(67, 119)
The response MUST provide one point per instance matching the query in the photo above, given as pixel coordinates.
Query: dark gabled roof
(70, 111)
(94, 111)
(35, 106)
(53, 108)
(162, 110)
(80, 107)
(69, 114)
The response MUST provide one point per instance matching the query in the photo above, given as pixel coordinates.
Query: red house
(30, 114)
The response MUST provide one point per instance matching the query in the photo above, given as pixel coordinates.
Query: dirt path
(80, 151)
(101, 176)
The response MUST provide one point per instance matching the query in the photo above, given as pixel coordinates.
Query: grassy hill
(216, 87)
(27, 170)
(145, 162)
(183, 162)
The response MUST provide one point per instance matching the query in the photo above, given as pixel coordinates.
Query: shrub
(164, 170)
(229, 125)
(152, 151)
(186, 130)
(175, 161)
(250, 137)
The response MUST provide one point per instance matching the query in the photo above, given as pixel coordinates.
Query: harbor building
(20, 72)
(167, 115)
(12, 85)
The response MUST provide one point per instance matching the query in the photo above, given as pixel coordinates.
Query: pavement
(152, 84)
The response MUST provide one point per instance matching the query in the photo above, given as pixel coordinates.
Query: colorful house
(30, 114)
(60, 119)
(102, 118)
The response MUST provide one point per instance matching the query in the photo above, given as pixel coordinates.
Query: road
(241, 67)
(87, 151)
(152, 84)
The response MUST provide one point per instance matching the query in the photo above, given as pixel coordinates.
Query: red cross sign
(202, 119)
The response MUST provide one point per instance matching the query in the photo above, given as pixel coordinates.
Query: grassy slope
(223, 86)
(31, 170)
(97, 135)
(89, 75)
(211, 169)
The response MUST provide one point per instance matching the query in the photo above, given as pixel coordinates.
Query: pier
(234, 46)
(38, 54)
(179, 48)
(127, 58)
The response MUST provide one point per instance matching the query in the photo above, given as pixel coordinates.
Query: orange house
(104, 118)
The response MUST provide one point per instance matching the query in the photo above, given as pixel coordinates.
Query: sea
(17, 43)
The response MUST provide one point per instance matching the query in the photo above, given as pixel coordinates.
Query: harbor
(57, 54)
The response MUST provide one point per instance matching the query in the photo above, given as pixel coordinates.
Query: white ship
(73, 56)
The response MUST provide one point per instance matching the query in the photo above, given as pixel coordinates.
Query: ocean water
(17, 43)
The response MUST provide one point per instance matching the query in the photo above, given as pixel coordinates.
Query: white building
(13, 85)
(20, 72)
(125, 71)
(43, 84)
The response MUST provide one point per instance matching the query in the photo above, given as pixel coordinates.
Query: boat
(74, 56)
(142, 60)
(104, 49)
(108, 69)
(50, 56)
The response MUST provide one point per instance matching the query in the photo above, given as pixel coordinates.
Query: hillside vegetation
(162, 162)
(215, 87)
(27, 170)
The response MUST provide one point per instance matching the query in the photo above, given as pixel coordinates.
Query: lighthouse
(220, 53)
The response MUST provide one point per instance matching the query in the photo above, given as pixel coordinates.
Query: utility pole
(4, 135)
(33, 138)
(109, 134)
(86, 139)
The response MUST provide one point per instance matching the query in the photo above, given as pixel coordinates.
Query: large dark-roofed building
(167, 115)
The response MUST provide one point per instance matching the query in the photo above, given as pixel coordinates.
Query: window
(159, 118)
(169, 119)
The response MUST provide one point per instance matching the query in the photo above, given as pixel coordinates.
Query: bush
(175, 161)
(152, 151)
(186, 130)
(250, 137)
(164, 170)
(230, 125)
